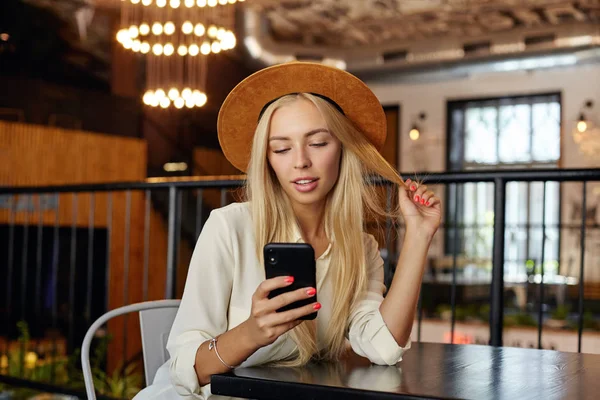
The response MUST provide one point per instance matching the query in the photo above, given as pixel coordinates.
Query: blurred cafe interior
(110, 162)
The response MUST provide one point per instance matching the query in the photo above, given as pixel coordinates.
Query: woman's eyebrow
(307, 134)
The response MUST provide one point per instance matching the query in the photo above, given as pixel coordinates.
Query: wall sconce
(582, 123)
(416, 128)
(586, 134)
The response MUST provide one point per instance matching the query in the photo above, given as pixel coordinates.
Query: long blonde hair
(352, 198)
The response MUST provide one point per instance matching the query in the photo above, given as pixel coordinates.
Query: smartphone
(292, 259)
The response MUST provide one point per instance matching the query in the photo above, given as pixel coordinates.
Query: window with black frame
(511, 132)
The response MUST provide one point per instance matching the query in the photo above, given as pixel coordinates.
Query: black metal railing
(60, 261)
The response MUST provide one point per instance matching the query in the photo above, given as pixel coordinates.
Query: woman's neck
(310, 220)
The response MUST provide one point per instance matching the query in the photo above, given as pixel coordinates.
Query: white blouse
(223, 275)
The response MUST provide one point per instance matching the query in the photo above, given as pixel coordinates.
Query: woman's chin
(307, 199)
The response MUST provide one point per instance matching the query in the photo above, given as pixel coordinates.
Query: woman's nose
(302, 161)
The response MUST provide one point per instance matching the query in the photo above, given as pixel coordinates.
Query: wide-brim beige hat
(240, 111)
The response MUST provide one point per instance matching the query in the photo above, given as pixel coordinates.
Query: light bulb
(154, 101)
(146, 2)
(169, 49)
(169, 28)
(148, 97)
(174, 3)
(128, 43)
(414, 134)
(581, 126)
(194, 50)
(157, 28)
(221, 33)
(161, 3)
(216, 47)
(165, 102)
(189, 103)
(199, 98)
(159, 94)
(205, 48)
(144, 47)
(232, 1)
(212, 31)
(179, 102)
(133, 31)
(182, 50)
(228, 41)
(122, 35)
(222, 2)
(157, 49)
(189, 3)
(144, 29)
(199, 30)
(212, 3)
(201, 3)
(135, 1)
(30, 359)
(136, 45)
(173, 93)
(186, 93)
(187, 27)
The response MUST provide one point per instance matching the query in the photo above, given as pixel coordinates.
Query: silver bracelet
(213, 345)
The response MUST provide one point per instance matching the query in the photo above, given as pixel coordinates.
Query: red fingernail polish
(428, 203)
(317, 306)
(311, 291)
(422, 201)
(413, 187)
(289, 279)
(417, 198)
(407, 180)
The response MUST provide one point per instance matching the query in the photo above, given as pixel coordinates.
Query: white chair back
(155, 325)
(156, 319)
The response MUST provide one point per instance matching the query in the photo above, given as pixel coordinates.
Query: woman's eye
(319, 144)
(281, 151)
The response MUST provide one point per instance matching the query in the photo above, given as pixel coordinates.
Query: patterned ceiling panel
(356, 23)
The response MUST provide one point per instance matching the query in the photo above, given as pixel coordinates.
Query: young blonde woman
(308, 137)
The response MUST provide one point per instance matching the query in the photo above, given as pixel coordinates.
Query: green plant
(519, 319)
(589, 322)
(26, 364)
(561, 312)
(124, 382)
(442, 309)
(484, 312)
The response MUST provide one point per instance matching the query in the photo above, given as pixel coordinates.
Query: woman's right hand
(265, 324)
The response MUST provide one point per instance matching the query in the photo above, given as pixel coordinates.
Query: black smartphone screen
(292, 259)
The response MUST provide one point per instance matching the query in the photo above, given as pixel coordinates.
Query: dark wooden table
(428, 370)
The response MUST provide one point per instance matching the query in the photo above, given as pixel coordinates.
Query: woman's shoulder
(233, 215)
(369, 240)
(371, 246)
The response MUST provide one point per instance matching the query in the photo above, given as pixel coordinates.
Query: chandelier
(177, 37)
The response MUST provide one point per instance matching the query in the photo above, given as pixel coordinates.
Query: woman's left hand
(421, 208)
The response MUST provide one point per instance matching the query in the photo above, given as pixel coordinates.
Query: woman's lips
(306, 185)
